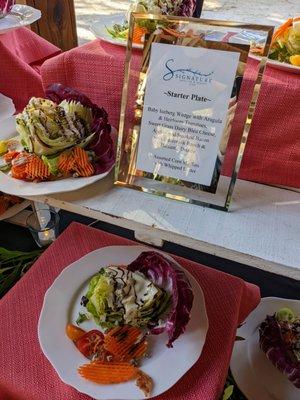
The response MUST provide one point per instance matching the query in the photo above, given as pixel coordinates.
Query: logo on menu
(189, 75)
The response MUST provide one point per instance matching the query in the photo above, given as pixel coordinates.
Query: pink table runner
(272, 154)
(26, 374)
(21, 54)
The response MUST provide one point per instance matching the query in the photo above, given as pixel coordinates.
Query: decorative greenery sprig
(13, 264)
(231, 391)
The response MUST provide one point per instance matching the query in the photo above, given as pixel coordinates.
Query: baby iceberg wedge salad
(128, 303)
(150, 292)
(62, 135)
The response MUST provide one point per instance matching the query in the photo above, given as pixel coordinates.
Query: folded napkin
(21, 53)
(25, 372)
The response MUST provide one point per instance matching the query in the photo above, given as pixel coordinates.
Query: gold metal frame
(126, 173)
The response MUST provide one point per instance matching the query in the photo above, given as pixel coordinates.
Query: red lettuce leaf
(58, 92)
(102, 146)
(272, 344)
(187, 8)
(167, 276)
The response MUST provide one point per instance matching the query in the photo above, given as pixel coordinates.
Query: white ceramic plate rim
(21, 188)
(30, 15)
(278, 65)
(80, 275)
(241, 366)
(99, 30)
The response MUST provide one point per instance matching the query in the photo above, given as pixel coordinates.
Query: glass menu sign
(180, 101)
(186, 101)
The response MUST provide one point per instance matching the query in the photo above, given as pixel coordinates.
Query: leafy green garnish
(228, 392)
(5, 167)
(231, 391)
(285, 314)
(81, 318)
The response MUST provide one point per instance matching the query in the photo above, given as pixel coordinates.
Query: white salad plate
(255, 375)
(21, 188)
(279, 65)
(99, 29)
(165, 366)
(20, 15)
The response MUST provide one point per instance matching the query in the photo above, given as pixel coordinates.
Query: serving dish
(20, 15)
(99, 29)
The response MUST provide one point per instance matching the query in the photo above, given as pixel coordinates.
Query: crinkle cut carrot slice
(66, 162)
(18, 169)
(75, 161)
(82, 164)
(87, 170)
(126, 343)
(108, 372)
(35, 169)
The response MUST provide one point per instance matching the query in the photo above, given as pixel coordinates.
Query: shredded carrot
(108, 372)
(126, 343)
(281, 29)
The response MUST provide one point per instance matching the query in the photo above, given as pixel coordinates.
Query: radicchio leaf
(167, 276)
(58, 92)
(6, 6)
(102, 146)
(187, 8)
(276, 350)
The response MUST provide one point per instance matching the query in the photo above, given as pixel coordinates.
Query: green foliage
(13, 265)
(231, 391)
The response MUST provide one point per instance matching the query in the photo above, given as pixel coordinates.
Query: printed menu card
(187, 94)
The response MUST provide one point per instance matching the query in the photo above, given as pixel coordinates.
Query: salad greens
(52, 164)
(81, 318)
(119, 31)
(279, 339)
(156, 7)
(46, 128)
(285, 45)
(116, 296)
